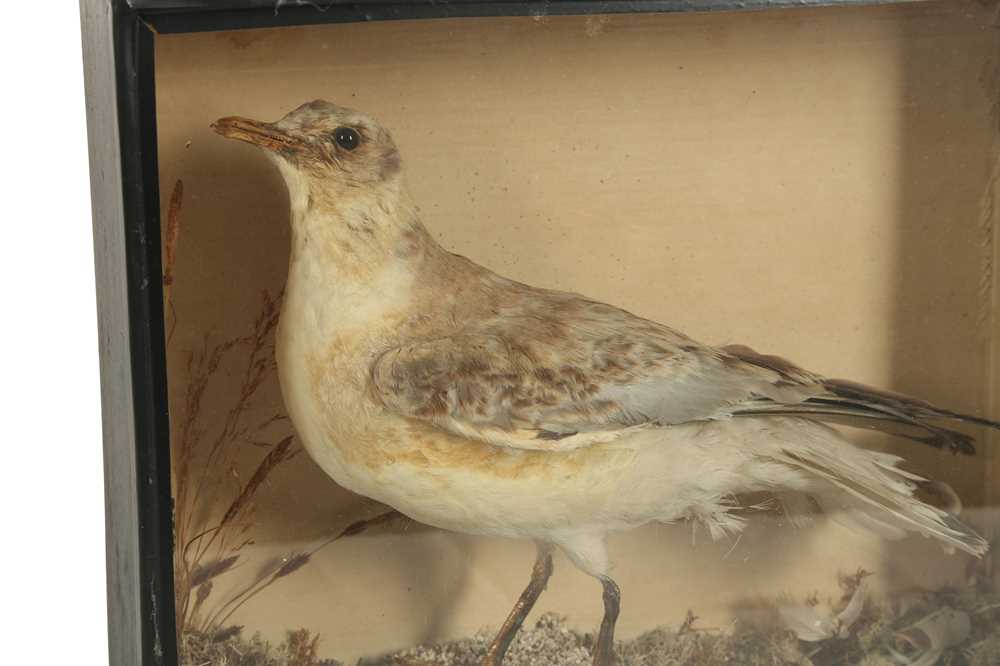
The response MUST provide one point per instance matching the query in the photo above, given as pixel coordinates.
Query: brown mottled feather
(547, 365)
(556, 364)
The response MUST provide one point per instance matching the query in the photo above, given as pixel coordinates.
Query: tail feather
(867, 489)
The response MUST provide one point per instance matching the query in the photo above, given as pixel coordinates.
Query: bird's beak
(265, 135)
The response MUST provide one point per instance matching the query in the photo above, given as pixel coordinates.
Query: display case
(813, 180)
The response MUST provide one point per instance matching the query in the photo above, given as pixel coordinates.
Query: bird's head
(321, 147)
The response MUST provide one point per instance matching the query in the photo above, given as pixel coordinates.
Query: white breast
(331, 329)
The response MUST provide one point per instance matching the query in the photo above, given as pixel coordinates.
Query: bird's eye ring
(347, 138)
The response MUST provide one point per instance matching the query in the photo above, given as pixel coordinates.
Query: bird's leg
(604, 650)
(540, 575)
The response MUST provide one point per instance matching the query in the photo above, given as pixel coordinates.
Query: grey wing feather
(891, 412)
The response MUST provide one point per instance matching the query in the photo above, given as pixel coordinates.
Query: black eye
(347, 138)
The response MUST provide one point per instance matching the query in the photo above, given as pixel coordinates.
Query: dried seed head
(227, 633)
(205, 572)
(291, 564)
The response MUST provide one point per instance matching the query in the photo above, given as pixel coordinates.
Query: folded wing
(580, 372)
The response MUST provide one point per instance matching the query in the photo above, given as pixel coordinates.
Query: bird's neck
(354, 237)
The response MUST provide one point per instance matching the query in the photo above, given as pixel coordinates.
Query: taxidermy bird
(478, 404)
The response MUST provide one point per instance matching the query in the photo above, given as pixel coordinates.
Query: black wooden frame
(118, 38)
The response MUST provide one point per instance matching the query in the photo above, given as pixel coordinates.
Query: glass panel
(813, 183)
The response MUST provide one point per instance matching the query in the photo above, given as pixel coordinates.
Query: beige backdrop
(814, 183)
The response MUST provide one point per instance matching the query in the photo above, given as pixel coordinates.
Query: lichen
(230, 648)
(758, 637)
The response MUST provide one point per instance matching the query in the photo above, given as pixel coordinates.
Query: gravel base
(760, 639)
(551, 643)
